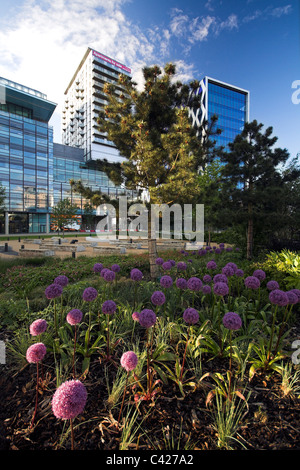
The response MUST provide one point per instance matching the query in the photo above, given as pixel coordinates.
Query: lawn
(101, 357)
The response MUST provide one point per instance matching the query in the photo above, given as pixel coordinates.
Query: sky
(253, 44)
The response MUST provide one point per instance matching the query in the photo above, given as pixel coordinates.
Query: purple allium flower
(218, 251)
(166, 266)
(109, 275)
(97, 268)
(38, 327)
(136, 316)
(206, 289)
(69, 399)
(89, 294)
(206, 278)
(278, 297)
(159, 261)
(272, 285)
(292, 296)
(252, 282)
(62, 280)
(36, 352)
(115, 268)
(220, 278)
(221, 288)
(221, 245)
(228, 271)
(136, 274)
(181, 266)
(211, 265)
(53, 291)
(129, 360)
(194, 283)
(229, 248)
(158, 298)
(166, 281)
(297, 292)
(181, 283)
(172, 262)
(74, 316)
(239, 273)
(260, 274)
(233, 266)
(109, 307)
(103, 271)
(191, 316)
(232, 321)
(147, 318)
(201, 252)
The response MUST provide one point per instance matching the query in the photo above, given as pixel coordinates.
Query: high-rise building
(230, 103)
(84, 99)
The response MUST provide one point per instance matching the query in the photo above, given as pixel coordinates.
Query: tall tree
(152, 131)
(253, 184)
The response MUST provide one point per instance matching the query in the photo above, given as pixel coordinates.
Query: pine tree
(152, 131)
(253, 184)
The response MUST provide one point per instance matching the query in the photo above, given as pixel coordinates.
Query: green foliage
(63, 213)
(285, 265)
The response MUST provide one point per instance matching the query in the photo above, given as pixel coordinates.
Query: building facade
(84, 99)
(230, 103)
(34, 170)
(26, 157)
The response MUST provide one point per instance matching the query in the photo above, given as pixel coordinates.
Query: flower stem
(36, 394)
(183, 361)
(123, 399)
(72, 434)
(272, 334)
(75, 334)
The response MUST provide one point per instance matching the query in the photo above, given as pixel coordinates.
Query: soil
(271, 422)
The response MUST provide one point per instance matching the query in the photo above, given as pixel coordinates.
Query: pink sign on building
(111, 61)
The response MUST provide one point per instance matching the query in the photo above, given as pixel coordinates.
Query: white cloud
(200, 30)
(230, 23)
(278, 12)
(179, 23)
(43, 45)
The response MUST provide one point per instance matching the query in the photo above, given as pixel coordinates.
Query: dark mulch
(271, 423)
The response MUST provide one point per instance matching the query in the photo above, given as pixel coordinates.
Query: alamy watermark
(296, 93)
(138, 222)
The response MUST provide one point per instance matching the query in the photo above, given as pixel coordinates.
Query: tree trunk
(154, 269)
(250, 232)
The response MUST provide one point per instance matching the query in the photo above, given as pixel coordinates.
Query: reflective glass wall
(26, 156)
(230, 105)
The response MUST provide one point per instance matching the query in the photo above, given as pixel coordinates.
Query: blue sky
(254, 44)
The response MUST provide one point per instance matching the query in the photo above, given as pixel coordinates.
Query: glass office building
(228, 102)
(26, 157)
(34, 170)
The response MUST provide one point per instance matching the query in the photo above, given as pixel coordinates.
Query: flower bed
(200, 358)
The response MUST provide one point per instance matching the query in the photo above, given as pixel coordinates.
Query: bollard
(19, 239)
(6, 247)
(73, 254)
(22, 247)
